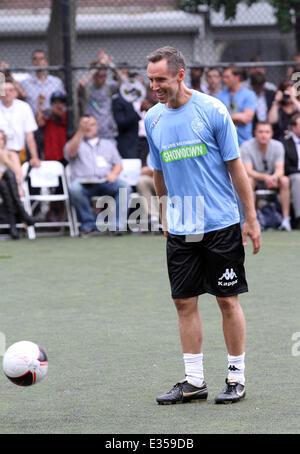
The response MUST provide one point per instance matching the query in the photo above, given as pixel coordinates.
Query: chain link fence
(65, 36)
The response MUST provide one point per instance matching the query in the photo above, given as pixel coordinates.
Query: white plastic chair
(46, 176)
(131, 171)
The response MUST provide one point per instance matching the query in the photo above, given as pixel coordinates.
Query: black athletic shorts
(213, 265)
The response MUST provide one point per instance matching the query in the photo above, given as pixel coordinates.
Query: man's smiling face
(164, 82)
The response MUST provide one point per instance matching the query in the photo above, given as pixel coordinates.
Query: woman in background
(11, 187)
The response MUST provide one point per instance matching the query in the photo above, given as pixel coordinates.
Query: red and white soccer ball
(25, 363)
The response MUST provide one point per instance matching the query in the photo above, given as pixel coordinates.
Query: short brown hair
(214, 68)
(236, 71)
(263, 123)
(174, 57)
(295, 118)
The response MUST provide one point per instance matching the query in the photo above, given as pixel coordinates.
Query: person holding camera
(285, 105)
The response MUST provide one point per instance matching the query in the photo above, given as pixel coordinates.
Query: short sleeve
(225, 132)
(30, 124)
(116, 157)
(155, 159)
(250, 100)
(280, 152)
(245, 154)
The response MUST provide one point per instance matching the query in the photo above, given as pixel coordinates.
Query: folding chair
(46, 176)
(131, 171)
(264, 196)
(76, 223)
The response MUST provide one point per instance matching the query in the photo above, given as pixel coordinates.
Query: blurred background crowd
(74, 84)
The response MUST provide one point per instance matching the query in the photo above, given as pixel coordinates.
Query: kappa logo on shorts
(228, 279)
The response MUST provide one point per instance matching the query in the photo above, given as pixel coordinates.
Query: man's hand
(251, 228)
(83, 125)
(41, 100)
(111, 177)
(35, 162)
(271, 181)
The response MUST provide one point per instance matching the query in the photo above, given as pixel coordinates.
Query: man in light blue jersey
(195, 156)
(240, 101)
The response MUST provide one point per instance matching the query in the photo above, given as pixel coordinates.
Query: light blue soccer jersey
(191, 145)
(242, 99)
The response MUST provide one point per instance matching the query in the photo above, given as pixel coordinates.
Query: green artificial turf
(101, 308)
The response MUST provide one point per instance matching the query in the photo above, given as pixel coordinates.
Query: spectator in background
(40, 83)
(295, 69)
(8, 75)
(127, 119)
(54, 125)
(121, 70)
(214, 81)
(142, 106)
(265, 97)
(239, 100)
(292, 165)
(261, 69)
(196, 73)
(11, 188)
(285, 105)
(95, 166)
(95, 94)
(129, 114)
(263, 158)
(9, 160)
(18, 123)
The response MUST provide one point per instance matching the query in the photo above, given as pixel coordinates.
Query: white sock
(236, 368)
(193, 364)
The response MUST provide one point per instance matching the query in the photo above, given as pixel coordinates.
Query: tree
(61, 37)
(55, 31)
(287, 12)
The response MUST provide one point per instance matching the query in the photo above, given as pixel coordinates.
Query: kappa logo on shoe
(228, 278)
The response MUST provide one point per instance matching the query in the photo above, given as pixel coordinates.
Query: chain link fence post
(69, 40)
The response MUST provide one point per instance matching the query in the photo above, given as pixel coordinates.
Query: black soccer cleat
(183, 392)
(232, 393)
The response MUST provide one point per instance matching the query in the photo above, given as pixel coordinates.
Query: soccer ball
(25, 363)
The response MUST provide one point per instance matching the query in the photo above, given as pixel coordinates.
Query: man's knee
(284, 182)
(76, 191)
(228, 304)
(185, 306)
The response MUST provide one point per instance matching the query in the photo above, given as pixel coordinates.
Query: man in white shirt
(292, 165)
(18, 123)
